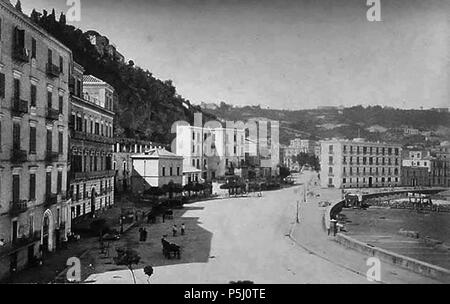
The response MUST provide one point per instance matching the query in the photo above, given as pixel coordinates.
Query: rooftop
(156, 154)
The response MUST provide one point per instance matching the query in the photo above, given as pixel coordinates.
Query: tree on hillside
(18, 6)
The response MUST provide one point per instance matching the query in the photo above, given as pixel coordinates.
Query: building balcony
(79, 135)
(92, 174)
(52, 70)
(19, 107)
(50, 199)
(99, 138)
(21, 54)
(18, 156)
(18, 207)
(51, 157)
(52, 114)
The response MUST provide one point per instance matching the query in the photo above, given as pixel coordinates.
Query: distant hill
(147, 106)
(373, 123)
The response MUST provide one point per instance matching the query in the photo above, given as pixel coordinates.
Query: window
(59, 183)
(171, 171)
(178, 171)
(33, 95)
(60, 142)
(60, 104)
(50, 57)
(330, 160)
(32, 186)
(48, 183)
(330, 149)
(49, 140)
(330, 170)
(61, 64)
(49, 100)
(33, 48)
(16, 188)
(16, 136)
(32, 140)
(2, 85)
(163, 171)
(16, 90)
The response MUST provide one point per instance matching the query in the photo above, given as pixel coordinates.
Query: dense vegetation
(146, 106)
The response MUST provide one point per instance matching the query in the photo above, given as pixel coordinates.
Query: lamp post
(298, 220)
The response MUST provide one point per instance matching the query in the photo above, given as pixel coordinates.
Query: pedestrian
(174, 230)
(183, 228)
(141, 234)
(144, 232)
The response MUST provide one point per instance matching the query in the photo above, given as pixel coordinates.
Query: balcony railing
(50, 199)
(99, 138)
(92, 174)
(52, 114)
(79, 135)
(51, 156)
(18, 207)
(18, 156)
(53, 70)
(21, 54)
(19, 106)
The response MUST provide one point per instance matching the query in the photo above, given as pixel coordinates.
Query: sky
(284, 54)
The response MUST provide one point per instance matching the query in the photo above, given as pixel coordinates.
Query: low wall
(395, 259)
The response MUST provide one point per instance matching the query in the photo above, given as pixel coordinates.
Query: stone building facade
(155, 168)
(123, 149)
(91, 141)
(34, 92)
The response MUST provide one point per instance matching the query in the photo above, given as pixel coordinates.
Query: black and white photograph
(244, 143)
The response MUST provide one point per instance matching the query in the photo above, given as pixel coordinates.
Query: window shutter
(32, 140)
(2, 85)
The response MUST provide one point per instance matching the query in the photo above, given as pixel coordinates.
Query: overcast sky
(282, 54)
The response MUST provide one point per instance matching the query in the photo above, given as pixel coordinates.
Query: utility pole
(298, 220)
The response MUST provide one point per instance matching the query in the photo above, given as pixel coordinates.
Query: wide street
(228, 240)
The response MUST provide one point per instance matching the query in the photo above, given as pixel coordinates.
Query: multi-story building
(91, 142)
(155, 168)
(215, 151)
(34, 91)
(359, 164)
(303, 145)
(123, 149)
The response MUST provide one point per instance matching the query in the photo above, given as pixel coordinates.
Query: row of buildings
(59, 159)
(204, 154)
(56, 142)
(360, 164)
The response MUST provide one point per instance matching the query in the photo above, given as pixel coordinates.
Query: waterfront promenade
(248, 238)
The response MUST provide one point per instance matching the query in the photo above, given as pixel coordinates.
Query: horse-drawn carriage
(170, 249)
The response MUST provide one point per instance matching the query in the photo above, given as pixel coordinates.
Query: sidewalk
(54, 266)
(311, 235)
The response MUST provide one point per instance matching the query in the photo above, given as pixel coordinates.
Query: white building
(155, 168)
(214, 151)
(359, 164)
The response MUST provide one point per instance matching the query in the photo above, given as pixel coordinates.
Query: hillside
(146, 106)
(374, 123)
